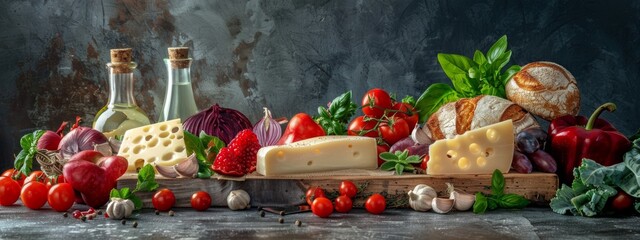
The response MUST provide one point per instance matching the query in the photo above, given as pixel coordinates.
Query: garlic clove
(167, 172)
(419, 135)
(187, 168)
(442, 205)
(462, 201)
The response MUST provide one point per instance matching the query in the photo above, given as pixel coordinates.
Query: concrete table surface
(17, 222)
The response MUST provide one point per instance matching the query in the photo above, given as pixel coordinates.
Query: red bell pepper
(301, 127)
(573, 138)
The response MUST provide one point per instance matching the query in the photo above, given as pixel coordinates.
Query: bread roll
(545, 89)
(456, 118)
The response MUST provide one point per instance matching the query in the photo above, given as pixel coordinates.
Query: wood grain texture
(284, 191)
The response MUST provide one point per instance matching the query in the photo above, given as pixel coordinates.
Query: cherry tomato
(313, 193)
(36, 176)
(407, 112)
(200, 201)
(163, 200)
(61, 197)
(347, 188)
(343, 204)
(621, 202)
(359, 126)
(424, 162)
(9, 191)
(381, 148)
(375, 102)
(375, 204)
(53, 182)
(394, 130)
(34, 195)
(322, 207)
(10, 173)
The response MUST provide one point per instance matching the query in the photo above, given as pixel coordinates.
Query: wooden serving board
(285, 191)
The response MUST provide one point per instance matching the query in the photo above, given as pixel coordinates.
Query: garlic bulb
(188, 168)
(420, 197)
(120, 208)
(442, 205)
(462, 201)
(238, 199)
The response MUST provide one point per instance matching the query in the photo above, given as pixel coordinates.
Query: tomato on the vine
(38, 176)
(424, 162)
(621, 202)
(61, 197)
(163, 200)
(200, 201)
(380, 149)
(394, 130)
(313, 193)
(343, 204)
(375, 102)
(406, 112)
(9, 191)
(375, 204)
(53, 181)
(322, 207)
(359, 126)
(34, 195)
(347, 188)
(10, 173)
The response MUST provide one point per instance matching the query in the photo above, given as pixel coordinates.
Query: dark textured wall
(293, 56)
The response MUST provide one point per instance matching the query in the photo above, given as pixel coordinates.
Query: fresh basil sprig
(481, 75)
(497, 198)
(29, 144)
(125, 193)
(334, 119)
(146, 183)
(206, 148)
(400, 161)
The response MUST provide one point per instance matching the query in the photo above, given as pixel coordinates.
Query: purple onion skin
(543, 162)
(413, 147)
(521, 163)
(80, 139)
(224, 123)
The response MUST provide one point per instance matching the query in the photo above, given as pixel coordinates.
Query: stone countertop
(220, 223)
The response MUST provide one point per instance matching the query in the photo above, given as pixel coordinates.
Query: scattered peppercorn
(135, 224)
(83, 218)
(171, 213)
(259, 209)
(123, 222)
(157, 212)
(99, 212)
(281, 213)
(281, 220)
(261, 213)
(65, 215)
(298, 223)
(90, 216)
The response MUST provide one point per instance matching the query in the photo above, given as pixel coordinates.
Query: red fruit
(92, 181)
(200, 201)
(11, 173)
(300, 127)
(375, 204)
(226, 163)
(34, 195)
(395, 130)
(375, 102)
(348, 188)
(343, 204)
(163, 200)
(360, 127)
(380, 149)
(313, 193)
(61, 197)
(407, 112)
(240, 157)
(322, 207)
(37, 176)
(9, 191)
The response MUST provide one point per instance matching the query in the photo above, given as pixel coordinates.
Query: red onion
(51, 140)
(268, 130)
(413, 147)
(80, 139)
(217, 121)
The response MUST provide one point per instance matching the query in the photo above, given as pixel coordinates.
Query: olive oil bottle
(121, 112)
(178, 100)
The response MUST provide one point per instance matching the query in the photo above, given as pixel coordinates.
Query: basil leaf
(388, 166)
(512, 201)
(114, 193)
(19, 163)
(499, 63)
(433, 98)
(399, 169)
(489, 90)
(193, 145)
(479, 57)
(146, 179)
(211, 146)
(137, 202)
(456, 68)
(497, 183)
(497, 49)
(491, 203)
(125, 193)
(480, 205)
(508, 74)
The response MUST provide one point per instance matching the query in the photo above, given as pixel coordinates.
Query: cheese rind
(326, 153)
(478, 151)
(161, 144)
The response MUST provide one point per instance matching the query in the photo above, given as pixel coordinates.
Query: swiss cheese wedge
(161, 143)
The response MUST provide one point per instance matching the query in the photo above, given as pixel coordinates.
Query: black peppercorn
(123, 222)
(281, 220)
(262, 213)
(298, 223)
(157, 212)
(135, 224)
(65, 215)
(171, 213)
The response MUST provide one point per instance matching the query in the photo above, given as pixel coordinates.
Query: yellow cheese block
(479, 151)
(326, 153)
(161, 144)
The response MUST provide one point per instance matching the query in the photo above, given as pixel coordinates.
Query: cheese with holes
(159, 144)
(325, 153)
(478, 151)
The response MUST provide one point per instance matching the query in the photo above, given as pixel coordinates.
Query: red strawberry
(245, 146)
(227, 164)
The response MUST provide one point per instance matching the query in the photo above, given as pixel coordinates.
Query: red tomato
(359, 126)
(300, 127)
(424, 162)
(34, 195)
(313, 193)
(381, 148)
(375, 204)
(621, 202)
(343, 204)
(10, 173)
(61, 197)
(407, 112)
(200, 201)
(347, 188)
(163, 200)
(322, 207)
(36, 176)
(375, 102)
(53, 182)
(395, 130)
(9, 191)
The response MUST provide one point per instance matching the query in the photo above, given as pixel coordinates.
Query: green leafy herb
(481, 75)
(125, 193)
(206, 148)
(146, 179)
(335, 119)
(24, 160)
(410, 100)
(497, 198)
(400, 161)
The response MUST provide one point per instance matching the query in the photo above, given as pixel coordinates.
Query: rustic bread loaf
(545, 89)
(455, 118)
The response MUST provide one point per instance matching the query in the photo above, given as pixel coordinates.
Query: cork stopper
(121, 55)
(179, 57)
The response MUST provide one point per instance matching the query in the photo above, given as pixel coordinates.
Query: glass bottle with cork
(121, 112)
(179, 101)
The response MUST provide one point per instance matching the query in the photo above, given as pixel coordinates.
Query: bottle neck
(121, 85)
(179, 73)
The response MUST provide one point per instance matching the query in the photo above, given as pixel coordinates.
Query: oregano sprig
(400, 161)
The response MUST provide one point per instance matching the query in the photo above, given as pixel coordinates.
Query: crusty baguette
(456, 118)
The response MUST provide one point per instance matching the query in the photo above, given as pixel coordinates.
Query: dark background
(293, 56)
